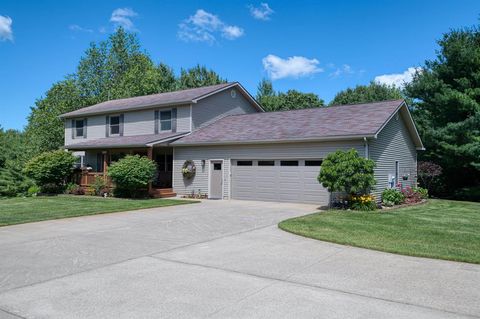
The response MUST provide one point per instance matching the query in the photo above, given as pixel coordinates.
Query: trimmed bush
(50, 170)
(392, 196)
(131, 175)
(346, 171)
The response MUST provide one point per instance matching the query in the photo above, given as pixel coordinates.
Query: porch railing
(86, 178)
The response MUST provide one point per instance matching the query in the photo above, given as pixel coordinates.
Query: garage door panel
(278, 183)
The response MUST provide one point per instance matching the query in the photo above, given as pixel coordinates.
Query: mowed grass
(440, 229)
(33, 209)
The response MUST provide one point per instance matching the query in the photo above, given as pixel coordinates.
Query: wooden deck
(86, 180)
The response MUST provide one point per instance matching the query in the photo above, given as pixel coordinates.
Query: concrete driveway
(218, 259)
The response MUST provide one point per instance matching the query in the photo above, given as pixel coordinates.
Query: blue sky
(312, 46)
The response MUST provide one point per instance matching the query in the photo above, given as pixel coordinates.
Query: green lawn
(439, 229)
(25, 210)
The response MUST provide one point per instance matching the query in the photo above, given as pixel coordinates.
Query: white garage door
(278, 180)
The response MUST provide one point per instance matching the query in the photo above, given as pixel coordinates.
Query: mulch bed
(422, 202)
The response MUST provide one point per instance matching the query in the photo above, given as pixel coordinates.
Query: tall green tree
(447, 107)
(12, 158)
(372, 92)
(112, 69)
(198, 76)
(280, 101)
(45, 130)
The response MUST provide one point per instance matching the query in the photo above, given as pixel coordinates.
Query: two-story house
(240, 151)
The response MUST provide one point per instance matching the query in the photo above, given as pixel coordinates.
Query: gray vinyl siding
(135, 123)
(219, 105)
(233, 152)
(95, 129)
(183, 118)
(393, 144)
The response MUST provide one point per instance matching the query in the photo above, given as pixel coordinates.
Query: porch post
(105, 162)
(150, 157)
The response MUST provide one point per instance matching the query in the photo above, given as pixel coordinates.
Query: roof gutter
(300, 140)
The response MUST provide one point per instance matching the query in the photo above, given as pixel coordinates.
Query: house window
(289, 163)
(266, 163)
(166, 120)
(114, 125)
(244, 163)
(79, 128)
(313, 163)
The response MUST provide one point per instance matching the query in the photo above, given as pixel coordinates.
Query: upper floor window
(166, 120)
(79, 128)
(115, 125)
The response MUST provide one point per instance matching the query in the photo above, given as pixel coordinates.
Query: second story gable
(172, 112)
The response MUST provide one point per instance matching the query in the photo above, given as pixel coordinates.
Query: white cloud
(397, 79)
(295, 66)
(261, 13)
(343, 70)
(6, 32)
(232, 32)
(76, 27)
(203, 26)
(123, 17)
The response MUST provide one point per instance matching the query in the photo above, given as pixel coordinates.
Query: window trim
(75, 128)
(110, 125)
(160, 120)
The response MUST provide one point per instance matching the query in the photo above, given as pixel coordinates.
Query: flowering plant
(363, 202)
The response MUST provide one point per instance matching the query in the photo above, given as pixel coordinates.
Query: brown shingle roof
(307, 124)
(133, 103)
(123, 141)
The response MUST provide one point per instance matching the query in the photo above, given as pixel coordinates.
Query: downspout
(367, 155)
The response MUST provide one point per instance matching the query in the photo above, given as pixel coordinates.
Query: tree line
(444, 98)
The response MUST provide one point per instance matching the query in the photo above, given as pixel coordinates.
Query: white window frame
(110, 125)
(160, 120)
(75, 128)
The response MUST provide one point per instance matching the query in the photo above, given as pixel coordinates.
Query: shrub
(13, 183)
(99, 185)
(70, 188)
(51, 188)
(427, 173)
(50, 169)
(78, 190)
(411, 196)
(391, 197)
(363, 202)
(468, 193)
(346, 171)
(422, 191)
(33, 191)
(131, 175)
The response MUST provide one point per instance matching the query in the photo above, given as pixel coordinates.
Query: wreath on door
(188, 169)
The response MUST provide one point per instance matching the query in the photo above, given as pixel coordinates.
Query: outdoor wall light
(203, 163)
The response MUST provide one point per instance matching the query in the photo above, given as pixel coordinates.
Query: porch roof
(126, 141)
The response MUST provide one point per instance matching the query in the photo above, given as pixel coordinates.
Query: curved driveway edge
(216, 259)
